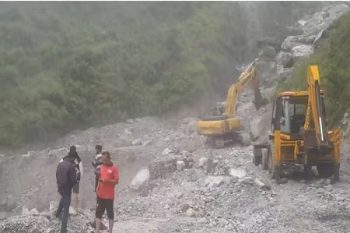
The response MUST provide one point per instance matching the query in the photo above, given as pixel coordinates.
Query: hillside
(67, 66)
(332, 56)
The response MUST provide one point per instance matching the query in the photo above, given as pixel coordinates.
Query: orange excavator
(224, 126)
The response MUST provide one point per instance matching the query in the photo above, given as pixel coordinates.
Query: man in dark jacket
(66, 178)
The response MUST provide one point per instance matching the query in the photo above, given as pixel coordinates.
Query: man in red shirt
(109, 177)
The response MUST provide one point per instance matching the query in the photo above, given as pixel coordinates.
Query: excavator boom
(315, 114)
(249, 74)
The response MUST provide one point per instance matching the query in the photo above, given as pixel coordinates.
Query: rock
(166, 151)
(290, 42)
(180, 165)
(190, 212)
(302, 50)
(34, 211)
(136, 142)
(214, 181)
(146, 143)
(72, 211)
(202, 162)
(141, 178)
(237, 172)
(202, 220)
(185, 207)
(52, 206)
(256, 127)
(261, 184)
(285, 59)
(127, 131)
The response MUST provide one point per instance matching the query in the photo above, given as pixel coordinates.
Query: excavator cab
(289, 113)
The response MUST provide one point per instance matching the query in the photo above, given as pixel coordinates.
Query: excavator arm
(248, 74)
(315, 117)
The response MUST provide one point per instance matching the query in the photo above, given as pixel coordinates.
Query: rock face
(302, 50)
(312, 29)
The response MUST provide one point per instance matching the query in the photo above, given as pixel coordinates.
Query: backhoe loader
(299, 133)
(223, 126)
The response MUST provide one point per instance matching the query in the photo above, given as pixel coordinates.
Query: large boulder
(284, 59)
(257, 126)
(140, 179)
(302, 50)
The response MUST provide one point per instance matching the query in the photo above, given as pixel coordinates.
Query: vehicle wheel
(265, 159)
(325, 170)
(257, 155)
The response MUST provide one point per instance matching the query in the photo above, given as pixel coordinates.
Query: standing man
(79, 171)
(97, 163)
(66, 179)
(109, 177)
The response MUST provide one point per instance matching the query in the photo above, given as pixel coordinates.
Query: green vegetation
(65, 66)
(332, 56)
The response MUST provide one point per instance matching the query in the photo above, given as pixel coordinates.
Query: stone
(140, 178)
(190, 212)
(127, 131)
(214, 181)
(290, 42)
(302, 50)
(72, 211)
(237, 172)
(166, 151)
(136, 142)
(261, 184)
(256, 127)
(185, 207)
(202, 162)
(34, 211)
(285, 59)
(180, 165)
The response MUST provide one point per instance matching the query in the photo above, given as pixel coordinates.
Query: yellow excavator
(299, 133)
(223, 126)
